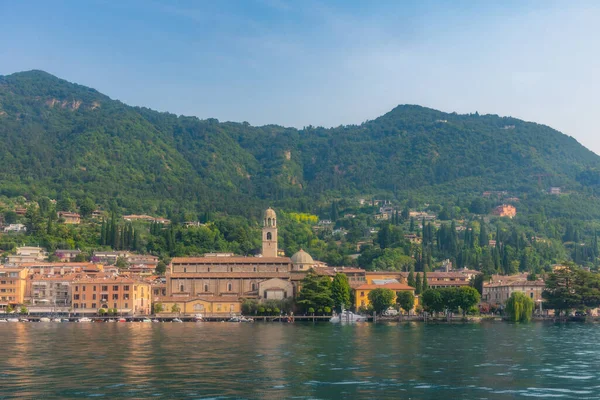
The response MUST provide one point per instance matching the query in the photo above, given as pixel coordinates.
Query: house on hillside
(70, 217)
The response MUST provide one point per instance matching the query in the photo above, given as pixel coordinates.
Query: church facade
(228, 279)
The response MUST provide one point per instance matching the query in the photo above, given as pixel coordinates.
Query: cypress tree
(483, 235)
(424, 284)
(411, 279)
(418, 284)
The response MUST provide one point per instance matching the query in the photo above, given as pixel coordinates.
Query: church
(216, 283)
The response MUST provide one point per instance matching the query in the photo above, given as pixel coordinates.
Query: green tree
(411, 279)
(519, 307)
(122, 263)
(161, 268)
(418, 284)
(175, 308)
(467, 298)
(340, 291)
(432, 301)
(87, 207)
(158, 308)
(315, 292)
(23, 310)
(406, 300)
(381, 299)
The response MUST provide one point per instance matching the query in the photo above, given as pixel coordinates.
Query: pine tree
(103, 233)
(418, 284)
(412, 225)
(483, 235)
(411, 279)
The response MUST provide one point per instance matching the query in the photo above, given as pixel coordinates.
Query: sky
(321, 63)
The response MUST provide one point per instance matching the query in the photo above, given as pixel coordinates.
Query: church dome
(302, 258)
(270, 213)
(270, 218)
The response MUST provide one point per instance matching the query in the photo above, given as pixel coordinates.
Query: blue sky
(316, 62)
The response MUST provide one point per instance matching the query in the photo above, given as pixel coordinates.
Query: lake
(301, 360)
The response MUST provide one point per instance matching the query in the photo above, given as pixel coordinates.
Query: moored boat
(177, 320)
(84, 319)
(347, 316)
(45, 319)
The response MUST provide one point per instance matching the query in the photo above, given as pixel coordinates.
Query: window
(83, 305)
(269, 236)
(77, 288)
(94, 288)
(83, 288)
(126, 287)
(115, 296)
(253, 286)
(185, 270)
(76, 305)
(104, 297)
(531, 295)
(126, 296)
(105, 288)
(254, 269)
(362, 294)
(229, 287)
(75, 297)
(94, 296)
(181, 288)
(126, 305)
(206, 287)
(115, 288)
(83, 296)
(93, 305)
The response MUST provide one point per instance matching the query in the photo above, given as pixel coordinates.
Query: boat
(155, 320)
(12, 320)
(244, 319)
(347, 316)
(84, 319)
(234, 319)
(3, 320)
(66, 320)
(177, 320)
(45, 319)
(111, 320)
(122, 320)
(198, 318)
(23, 320)
(146, 320)
(57, 320)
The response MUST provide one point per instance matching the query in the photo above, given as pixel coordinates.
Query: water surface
(273, 361)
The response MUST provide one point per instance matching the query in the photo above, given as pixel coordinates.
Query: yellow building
(385, 275)
(205, 305)
(361, 293)
(12, 286)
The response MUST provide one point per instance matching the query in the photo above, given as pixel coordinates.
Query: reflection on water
(272, 361)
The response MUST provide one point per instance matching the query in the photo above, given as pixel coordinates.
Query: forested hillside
(60, 138)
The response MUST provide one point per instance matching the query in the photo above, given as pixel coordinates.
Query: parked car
(390, 312)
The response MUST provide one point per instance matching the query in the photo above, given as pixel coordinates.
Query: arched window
(181, 288)
(253, 286)
(269, 236)
(269, 222)
(206, 287)
(229, 287)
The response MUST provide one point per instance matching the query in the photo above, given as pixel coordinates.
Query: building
(208, 306)
(50, 290)
(269, 241)
(67, 255)
(16, 228)
(109, 257)
(142, 264)
(361, 293)
(69, 217)
(127, 295)
(554, 190)
(12, 286)
(505, 210)
(499, 289)
(27, 254)
(63, 268)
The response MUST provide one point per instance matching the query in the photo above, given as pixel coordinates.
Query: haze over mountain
(62, 137)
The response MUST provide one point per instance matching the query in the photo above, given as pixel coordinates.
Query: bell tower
(269, 234)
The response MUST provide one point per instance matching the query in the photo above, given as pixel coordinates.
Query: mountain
(61, 138)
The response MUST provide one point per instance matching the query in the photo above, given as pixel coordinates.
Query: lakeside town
(222, 286)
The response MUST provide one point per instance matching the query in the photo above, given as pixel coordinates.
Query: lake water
(301, 360)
